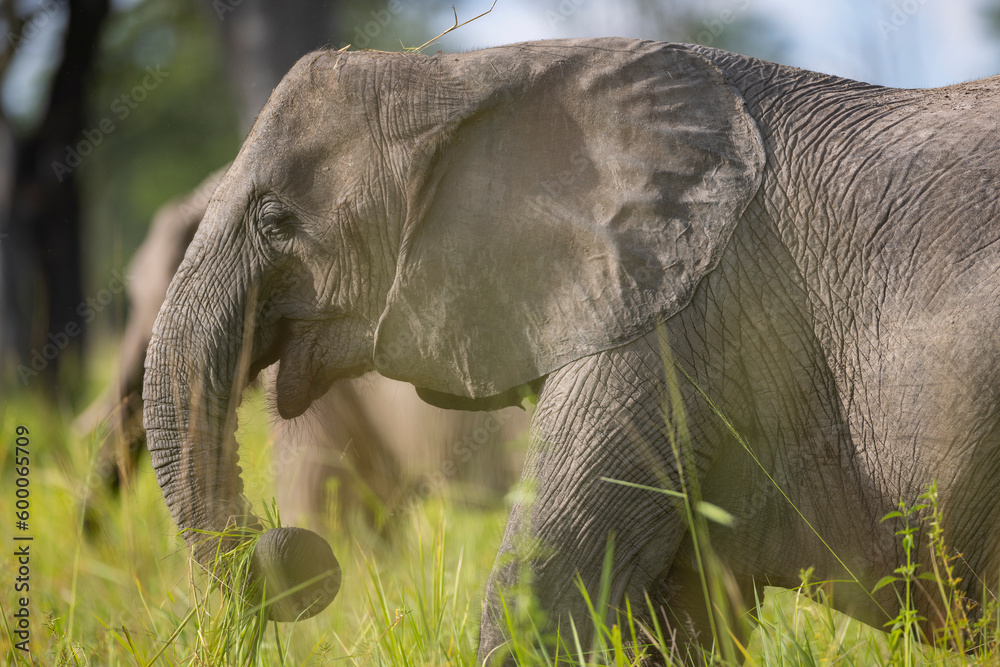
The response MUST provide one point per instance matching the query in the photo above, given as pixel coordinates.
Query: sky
(908, 43)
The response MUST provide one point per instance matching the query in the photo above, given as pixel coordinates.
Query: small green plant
(959, 629)
(960, 624)
(953, 613)
(904, 633)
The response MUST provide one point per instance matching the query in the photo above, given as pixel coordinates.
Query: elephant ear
(589, 189)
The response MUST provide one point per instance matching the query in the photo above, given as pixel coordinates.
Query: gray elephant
(817, 255)
(382, 445)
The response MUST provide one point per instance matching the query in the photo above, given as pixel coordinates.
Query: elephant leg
(679, 603)
(121, 442)
(118, 455)
(599, 418)
(476, 449)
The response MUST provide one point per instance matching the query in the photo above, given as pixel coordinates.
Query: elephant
(355, 433)
(760, 287)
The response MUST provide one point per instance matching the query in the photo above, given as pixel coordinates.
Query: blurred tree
(263, 39)
(41, 259)
(185, 126)
(990, 10)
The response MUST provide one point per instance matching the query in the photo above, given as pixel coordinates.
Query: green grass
(132, 596)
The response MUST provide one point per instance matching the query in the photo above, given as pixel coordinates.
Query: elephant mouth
(296, 389)
(272, 353)
(302, 379)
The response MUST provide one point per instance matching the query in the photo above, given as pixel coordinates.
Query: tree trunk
(263, 39)
(41, 250)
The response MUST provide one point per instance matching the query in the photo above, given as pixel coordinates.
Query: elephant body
(682, 250)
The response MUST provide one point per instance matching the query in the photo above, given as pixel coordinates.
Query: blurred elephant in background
(371, 438)
(386, 449)
(149, 272)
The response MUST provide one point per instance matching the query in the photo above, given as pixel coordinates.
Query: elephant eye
(275, 224)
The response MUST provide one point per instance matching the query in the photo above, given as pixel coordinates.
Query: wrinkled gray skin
(383, 445)
(822, 255)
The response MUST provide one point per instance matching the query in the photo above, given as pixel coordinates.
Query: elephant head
(466, 223)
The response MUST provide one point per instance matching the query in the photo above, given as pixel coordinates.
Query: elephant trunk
(191, 390)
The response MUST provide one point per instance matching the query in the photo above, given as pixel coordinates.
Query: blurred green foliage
(183, 127)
